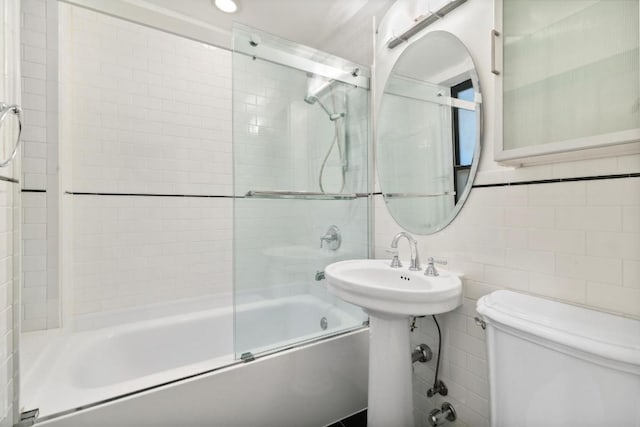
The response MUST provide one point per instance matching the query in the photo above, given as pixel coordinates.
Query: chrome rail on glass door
(5, 109)
(317, 195)
(407, 195)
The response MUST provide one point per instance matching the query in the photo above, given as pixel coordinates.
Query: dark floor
(356, 420)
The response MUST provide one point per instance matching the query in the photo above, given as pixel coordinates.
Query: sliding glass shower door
(300, 145)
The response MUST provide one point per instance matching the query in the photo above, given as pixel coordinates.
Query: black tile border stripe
(358, 195)
(83, 193)
(557, 180)
(13, 180)
(86, 193)
(551, 181)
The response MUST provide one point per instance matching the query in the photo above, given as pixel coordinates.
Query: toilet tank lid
(607, 335)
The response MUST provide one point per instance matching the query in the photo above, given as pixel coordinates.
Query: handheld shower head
(312, 99)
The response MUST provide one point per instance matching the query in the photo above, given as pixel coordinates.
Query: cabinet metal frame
(596, 146)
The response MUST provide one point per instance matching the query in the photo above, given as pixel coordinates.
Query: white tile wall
(147, 113)
(132, 251)
(34, 89)
(40, 309)
(151, 112)
(9, 219)
(34, 261)
(555, 240)
(8, 296)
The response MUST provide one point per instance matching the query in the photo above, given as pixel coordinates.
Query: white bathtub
(78, 369)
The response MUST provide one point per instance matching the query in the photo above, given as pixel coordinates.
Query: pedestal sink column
(390, 388)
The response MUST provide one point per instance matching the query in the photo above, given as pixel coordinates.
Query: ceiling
(340, 27)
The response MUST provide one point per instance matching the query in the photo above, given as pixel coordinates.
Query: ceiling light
(227, 6)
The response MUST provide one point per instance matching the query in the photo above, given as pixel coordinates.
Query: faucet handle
(332, 237)
(431, 268)
(395, 262)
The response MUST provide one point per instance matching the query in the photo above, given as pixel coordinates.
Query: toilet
(554, 364)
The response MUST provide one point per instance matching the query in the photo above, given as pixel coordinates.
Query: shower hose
(334, 143)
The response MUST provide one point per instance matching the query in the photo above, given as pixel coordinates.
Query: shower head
(312, 99)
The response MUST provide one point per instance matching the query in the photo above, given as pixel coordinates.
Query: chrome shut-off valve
(438, 417)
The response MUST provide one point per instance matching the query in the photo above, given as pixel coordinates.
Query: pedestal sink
(390, 296)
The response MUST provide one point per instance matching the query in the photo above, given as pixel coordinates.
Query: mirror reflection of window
(425, 160)
(464, 137)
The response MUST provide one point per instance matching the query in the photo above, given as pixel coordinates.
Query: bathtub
(182, 367)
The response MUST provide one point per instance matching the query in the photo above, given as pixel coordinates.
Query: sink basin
(374, 286)
(390, 296)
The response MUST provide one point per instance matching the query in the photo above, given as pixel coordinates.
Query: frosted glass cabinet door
(569, 76)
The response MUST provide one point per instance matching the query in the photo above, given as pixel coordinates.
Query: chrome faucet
(415, 260)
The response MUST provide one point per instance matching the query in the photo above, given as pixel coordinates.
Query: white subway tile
(34, 200)
(631, 274)
(34, 39)
(559, 241)
(34, 7)
(631, 219)
(472, 382)
(503, 277)
(607, 270)
(34, 263)
(35, 181)
(585, 167)
(478, 365)
(530, 216)
(34, 134)
(33, 70)
(530, 260)
(37, 324)
(561, 288)
(621, 192)
(34, 165)
(558, 194)
(34, 23)
(35, 215)
(34, 54)
(35, 279)
(33, 86)
(34, 231)
(614, 245)
(33, 295)
(35, 310)
(468, 343)
(592, 218)
(614, 298)
(34, 150)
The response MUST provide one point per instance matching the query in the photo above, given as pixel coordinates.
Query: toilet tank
(553, 364)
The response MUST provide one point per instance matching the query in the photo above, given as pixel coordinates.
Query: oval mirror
(429, 132)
